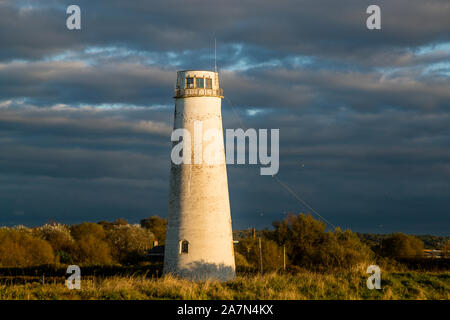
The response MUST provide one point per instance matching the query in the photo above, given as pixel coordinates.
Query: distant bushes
(93, 251)
(309, 245)
(306, 244)
(60, 238)
(102, 243)
(129, 243)
(446, 250)
(429, 241)
(400, 245)
(19, 248)
(299, 240)
(158, 227)
(248, 254)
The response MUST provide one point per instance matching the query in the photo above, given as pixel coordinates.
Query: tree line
(298, 241)
(102, 243)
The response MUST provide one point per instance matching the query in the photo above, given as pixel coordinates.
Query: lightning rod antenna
(215, 65)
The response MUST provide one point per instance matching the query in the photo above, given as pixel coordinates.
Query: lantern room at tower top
(197, 83)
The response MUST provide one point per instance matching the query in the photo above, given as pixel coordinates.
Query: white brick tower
(199, 241)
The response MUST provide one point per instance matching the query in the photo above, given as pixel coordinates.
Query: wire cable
(285, 186)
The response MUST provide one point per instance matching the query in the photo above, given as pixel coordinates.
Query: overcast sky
(364, 115)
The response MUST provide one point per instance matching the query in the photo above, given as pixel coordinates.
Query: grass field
(304, 285)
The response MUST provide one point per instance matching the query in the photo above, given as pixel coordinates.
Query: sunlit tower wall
(199, 240)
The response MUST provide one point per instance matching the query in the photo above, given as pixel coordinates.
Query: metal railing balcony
(198, 92)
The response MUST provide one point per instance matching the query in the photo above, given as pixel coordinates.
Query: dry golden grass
(304, 285)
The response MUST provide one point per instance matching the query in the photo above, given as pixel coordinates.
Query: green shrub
(400, 245)
(60, 239)
(272, 255)
(88, 229)
(157, 226)
(341, 250)
(240, 260)
(91, 246)
(21, 249)
(93, 251)
(309, 245)
(129, 243)
(446, 250)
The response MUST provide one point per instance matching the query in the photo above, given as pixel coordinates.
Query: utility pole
(284, 257)
(260, 255)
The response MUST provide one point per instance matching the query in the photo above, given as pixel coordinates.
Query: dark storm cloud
(34, 200)
(364, 116)
(128, 52)
(324, 28)
(395, 161)
(74, 143)
(54, 160)
(77, 82)
(273, 87)
(359, 170)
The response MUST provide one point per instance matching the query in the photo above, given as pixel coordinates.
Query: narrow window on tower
(184, 246)
(189, 82)
(208, 83)
(199, 83)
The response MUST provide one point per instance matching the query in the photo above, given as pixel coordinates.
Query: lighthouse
(199, 239)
